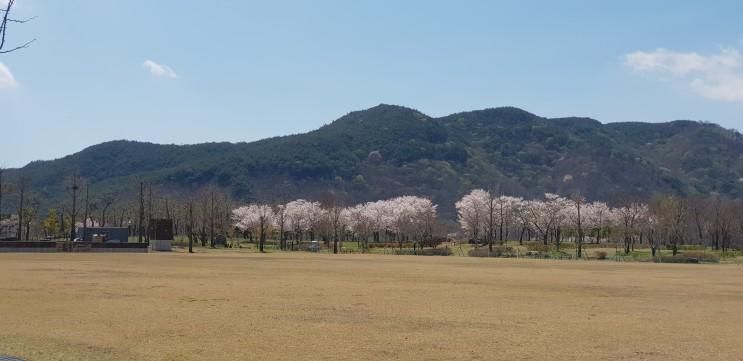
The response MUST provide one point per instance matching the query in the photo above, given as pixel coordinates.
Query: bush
(498, 251)
(601, 254)
(539, 247)
(559, 255)
(390, 245)
(568, 245)
(446, 251)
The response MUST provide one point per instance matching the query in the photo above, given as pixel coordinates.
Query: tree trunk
(262, 239)
(190, 227)
(626, 244)
(521, 236)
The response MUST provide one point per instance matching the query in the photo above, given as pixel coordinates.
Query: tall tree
(140, 223)
(74, 186)
(21, 205)
(190, 226)
(280, 217)
(50, 225)
(578, 201)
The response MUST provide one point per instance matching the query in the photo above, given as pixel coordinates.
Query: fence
(51, 246)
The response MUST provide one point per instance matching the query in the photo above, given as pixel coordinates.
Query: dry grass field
(226, 305)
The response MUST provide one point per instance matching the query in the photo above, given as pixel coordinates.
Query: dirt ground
(295, 306)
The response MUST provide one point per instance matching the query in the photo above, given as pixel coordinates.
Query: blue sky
(178, 72)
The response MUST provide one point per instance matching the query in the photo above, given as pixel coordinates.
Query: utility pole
(140, 226)
(75, 187)
(87, 206)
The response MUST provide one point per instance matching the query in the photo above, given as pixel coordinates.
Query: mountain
(391, 150)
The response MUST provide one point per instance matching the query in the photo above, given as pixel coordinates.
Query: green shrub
(446, 251)
(498, 251)
(559, 255)
(539, 247)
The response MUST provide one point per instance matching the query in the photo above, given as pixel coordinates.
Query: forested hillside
(389, 150)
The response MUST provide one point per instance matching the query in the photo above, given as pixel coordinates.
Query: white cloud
(715, 76)
(6, 78)
(159, 70)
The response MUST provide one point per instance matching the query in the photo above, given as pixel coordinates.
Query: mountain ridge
(389, 150)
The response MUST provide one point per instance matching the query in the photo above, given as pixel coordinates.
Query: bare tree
(6, 20)
(140, 223)
(106, 201)
(190, 226)
(29, 215)
(335, 211)
(672, 215)
(21, 205)
(490, 207)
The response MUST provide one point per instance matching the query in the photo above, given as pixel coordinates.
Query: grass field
(232, 305)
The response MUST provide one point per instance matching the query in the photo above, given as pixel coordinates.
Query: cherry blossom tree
(547, 216)
(255, 217)
(360, 223)
(302, 217)
(597, 216)
(472, 213)
(405, 218)
(506, 208)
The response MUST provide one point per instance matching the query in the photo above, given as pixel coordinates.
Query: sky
(178, 72)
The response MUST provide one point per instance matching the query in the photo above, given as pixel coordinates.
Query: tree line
(401, 219)
(713, 221)
(207, 215)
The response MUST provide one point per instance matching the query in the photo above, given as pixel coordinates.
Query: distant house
(104, 234)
